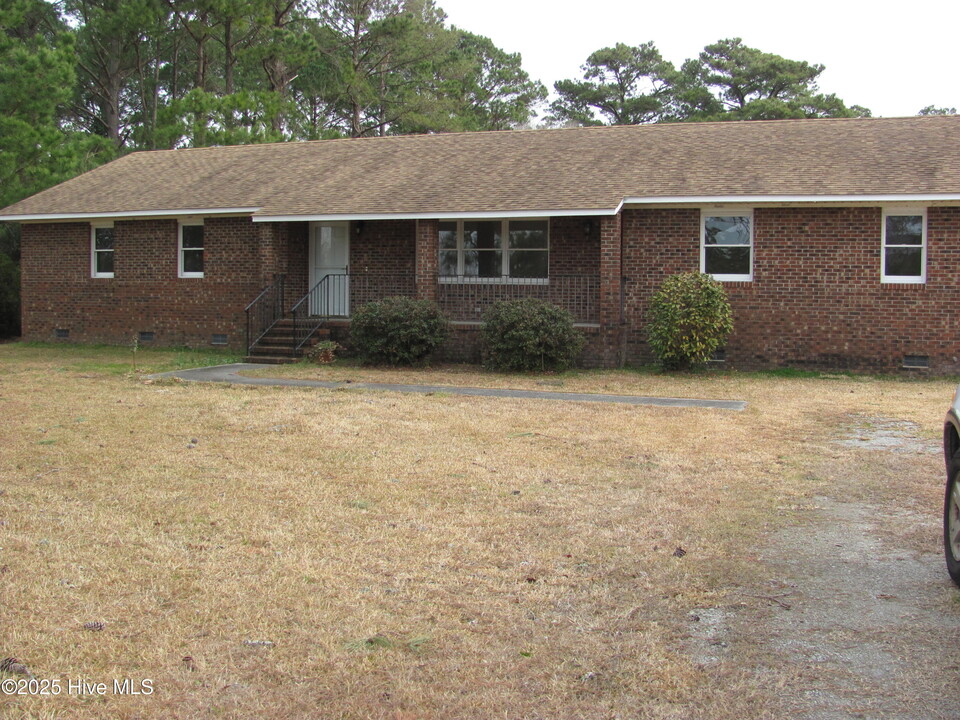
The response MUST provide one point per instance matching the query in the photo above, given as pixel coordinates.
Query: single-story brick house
(838, 240)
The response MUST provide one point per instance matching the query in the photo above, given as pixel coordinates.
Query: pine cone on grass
(14, 666)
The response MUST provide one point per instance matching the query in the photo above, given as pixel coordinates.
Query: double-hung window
(101, 251)
(190, 249)
(904, 246)
(477, 250)
(726, 244)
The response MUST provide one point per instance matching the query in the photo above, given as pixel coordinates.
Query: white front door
(330, 259)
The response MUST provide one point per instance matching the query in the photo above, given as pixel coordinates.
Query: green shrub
(690, 318)
(397, 331)
(529, 334)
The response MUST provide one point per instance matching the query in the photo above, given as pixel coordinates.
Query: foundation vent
(61, 333)
(146, 336)
(218, 339)
(916, 362)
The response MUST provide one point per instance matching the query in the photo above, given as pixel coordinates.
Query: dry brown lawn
(288, 553)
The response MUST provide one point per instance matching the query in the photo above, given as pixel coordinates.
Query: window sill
(732, 278)
(190, 275)
(102, 276)
(903, 280)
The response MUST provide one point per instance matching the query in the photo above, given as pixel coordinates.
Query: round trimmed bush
(690, 319)
(529, 334)
(397, 331)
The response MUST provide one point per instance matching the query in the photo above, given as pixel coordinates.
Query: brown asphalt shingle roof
(590, 169)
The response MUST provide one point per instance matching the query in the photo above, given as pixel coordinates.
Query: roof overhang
(674, 201)
(794, 199)
(332, 217)
(327, 217)
(128, 214)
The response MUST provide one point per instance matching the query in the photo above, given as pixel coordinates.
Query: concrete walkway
(230, 374)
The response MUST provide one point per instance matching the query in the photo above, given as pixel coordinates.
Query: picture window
(492, 250)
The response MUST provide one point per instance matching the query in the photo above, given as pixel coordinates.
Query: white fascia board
(52, 217)
(781, 199)
(495, 214)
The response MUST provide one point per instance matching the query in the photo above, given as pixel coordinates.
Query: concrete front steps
(276, 347)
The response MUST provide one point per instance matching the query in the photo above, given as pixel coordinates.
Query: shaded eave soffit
(131, 214)
(629, 202)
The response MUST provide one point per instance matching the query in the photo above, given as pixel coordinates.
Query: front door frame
(342, 290)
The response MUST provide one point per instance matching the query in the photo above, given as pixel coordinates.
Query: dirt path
(861, 620)
(869, 631)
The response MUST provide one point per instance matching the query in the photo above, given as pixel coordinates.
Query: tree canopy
(126, 75)
(934, 110)
(621, 85)
(38, 147)
(727, 81)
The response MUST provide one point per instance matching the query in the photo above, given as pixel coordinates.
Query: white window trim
(93, 250)
(180, 225)
(505, 277)
(732, 211)
(903, 279)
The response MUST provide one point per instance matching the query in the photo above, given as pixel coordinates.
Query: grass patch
(114, 359)
(415, 644)
(798, 374)
(404, 555)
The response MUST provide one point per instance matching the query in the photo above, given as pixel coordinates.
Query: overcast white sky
(892, 57)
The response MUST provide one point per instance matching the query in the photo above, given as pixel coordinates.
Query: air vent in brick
(916, 361)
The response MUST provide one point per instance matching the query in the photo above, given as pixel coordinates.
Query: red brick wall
(656, 244)
(575, 266)
(382, 260)
(54, 267)
(574, 246)
(384, 248)
(816, 299)
(145, 293)
(427, 258)
(612, 330)
(295, 258)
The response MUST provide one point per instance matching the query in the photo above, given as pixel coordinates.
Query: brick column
(611, 271)
(427, 253)
(269, 255)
